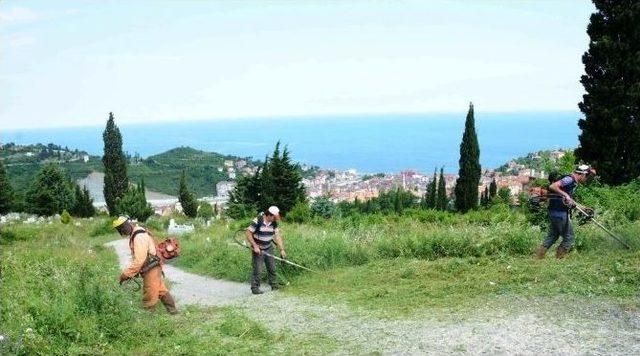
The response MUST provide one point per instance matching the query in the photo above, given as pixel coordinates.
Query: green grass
(60, 296)
(399, 267)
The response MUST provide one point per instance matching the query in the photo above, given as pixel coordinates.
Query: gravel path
(526, 327)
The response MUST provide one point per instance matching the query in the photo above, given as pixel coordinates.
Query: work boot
(169, 303)
(256, 291)
(540, 252)
(561, 252)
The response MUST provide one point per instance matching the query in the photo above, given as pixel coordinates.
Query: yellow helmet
(119, 221)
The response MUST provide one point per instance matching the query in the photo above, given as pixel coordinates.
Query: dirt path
(515, 327)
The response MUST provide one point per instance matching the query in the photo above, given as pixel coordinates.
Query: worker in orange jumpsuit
(145, 262)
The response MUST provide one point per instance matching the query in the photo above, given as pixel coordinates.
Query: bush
(300, 213)
(65, 218)
(323, 207)
(205, 211)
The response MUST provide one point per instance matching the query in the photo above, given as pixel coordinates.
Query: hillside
(161, 172)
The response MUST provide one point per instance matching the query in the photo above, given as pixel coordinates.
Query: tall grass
(353, 241)
(60, 296)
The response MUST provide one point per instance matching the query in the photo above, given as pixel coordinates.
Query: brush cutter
(244, 244)
(584, 210)
(587, 212)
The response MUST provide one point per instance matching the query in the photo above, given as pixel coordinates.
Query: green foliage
(134, 204)
(504, 195)
(65, 217)
(466, 190)
(395, 201)
(51, 192)
(442, 201)
(116, 181)
(205, 211)
(611, 105)
(278, 183)
(6, 191)
(323, 207)
(83, 206)
(187, 200)
(300, 213)
(431, 196)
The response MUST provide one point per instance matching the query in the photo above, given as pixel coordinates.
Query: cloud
(17, 15)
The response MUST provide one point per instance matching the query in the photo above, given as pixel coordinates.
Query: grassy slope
(402, 268)
(60, 296)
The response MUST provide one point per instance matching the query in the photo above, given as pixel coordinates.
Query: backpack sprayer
(244, 244)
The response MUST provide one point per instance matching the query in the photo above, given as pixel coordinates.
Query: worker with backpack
(261, 234)
(147, 259)
(561, 192)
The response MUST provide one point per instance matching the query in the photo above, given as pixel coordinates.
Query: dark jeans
(559, 226)
(257, 261)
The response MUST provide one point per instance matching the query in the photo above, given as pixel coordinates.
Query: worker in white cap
(261, 235)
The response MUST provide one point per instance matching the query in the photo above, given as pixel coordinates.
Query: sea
(367, 143)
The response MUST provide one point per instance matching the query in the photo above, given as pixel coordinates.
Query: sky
(70, 63)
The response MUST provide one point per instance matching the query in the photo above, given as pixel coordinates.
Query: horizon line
(330, 116)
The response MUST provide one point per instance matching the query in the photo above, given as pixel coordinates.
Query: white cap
(583, 169)
(273, 210)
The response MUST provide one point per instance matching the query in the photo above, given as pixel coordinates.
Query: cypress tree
(431, 196)
(442, 192)
(6, 191)
(466, 190)
(611, 105)
(116, 182)
(188, 202)
(493, 189)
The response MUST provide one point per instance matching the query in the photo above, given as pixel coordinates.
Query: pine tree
(6, 191)
(51, 192)
(466, 189)
(116, 182)
(493, 189)
(442, 192)
(188, 202)
(611, 105)
(485, 197)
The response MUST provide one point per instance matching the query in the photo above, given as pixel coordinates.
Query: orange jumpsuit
(152, 281)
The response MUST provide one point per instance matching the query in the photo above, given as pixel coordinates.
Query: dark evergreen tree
(432, 195)
(83, 206)
(51, 192)
(134, 204)
(611, 105)
(187, 200)
(278, 182)
(116, 182)
(493, 189)
(485, 197)
(442, 192)
(466, 190)
(6, 191)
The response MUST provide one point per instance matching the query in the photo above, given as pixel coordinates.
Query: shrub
(65, 218)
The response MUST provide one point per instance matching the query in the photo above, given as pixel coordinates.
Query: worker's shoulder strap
(260, 221)
(136, 233)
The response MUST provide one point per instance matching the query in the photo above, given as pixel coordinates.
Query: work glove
(123, 277)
